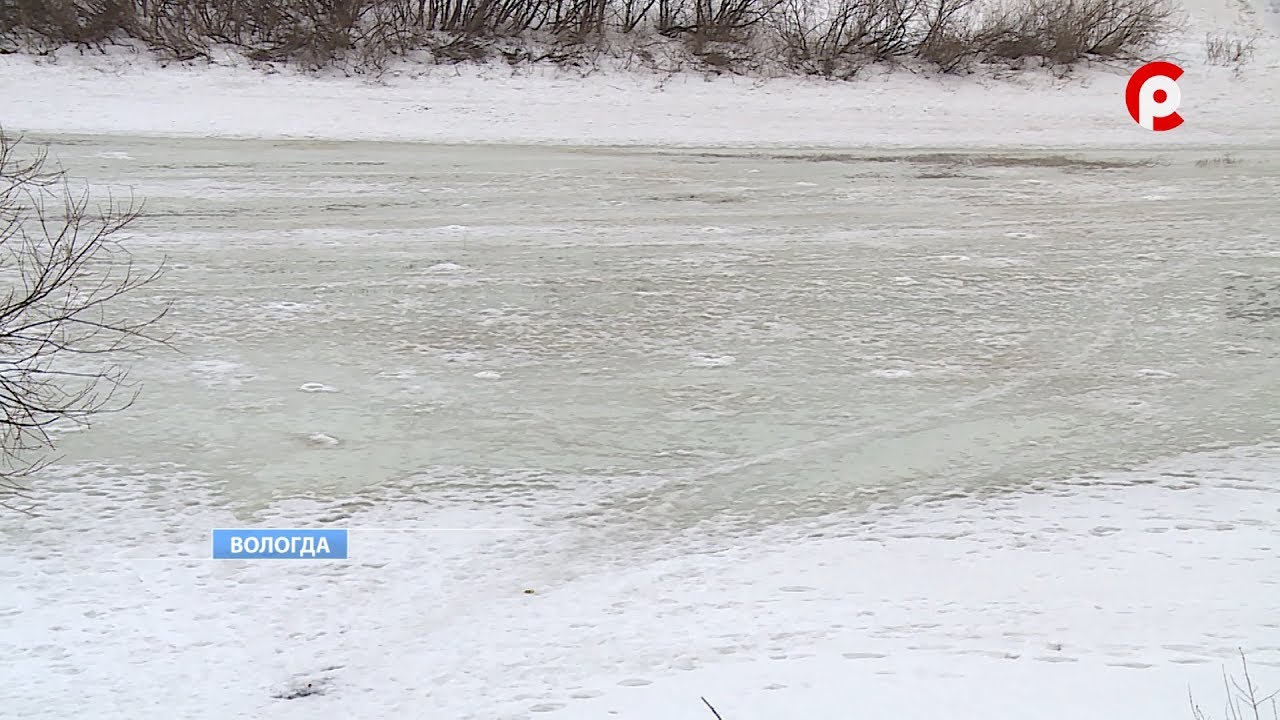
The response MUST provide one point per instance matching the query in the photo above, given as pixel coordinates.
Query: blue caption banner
(273, 544)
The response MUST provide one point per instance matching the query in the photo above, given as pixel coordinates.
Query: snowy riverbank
(123, 93)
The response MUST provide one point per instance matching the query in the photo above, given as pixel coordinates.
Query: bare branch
(63, 280)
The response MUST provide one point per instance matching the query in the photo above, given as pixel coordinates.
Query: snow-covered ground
(1106, 596)
(986, 432)
(128, 94)
(495, 104)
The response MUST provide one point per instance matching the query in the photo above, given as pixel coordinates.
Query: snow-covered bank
(1106, 596)
(130, 94)
(125, 91)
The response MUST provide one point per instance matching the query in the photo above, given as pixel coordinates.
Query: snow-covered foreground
(762, 427)
(1108, 595)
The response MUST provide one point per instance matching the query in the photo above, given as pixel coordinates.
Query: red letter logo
(1153, 96)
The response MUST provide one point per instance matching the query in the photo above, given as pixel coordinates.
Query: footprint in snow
(301, 689)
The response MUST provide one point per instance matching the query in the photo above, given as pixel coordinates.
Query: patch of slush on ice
(446, 267)
(462, 356)
(320, 439)
(1003, 262)
(892, 373)
(315, 387)
(698, 258)
(272, 313)
(286, 306)
(710, 361)
(113, 155)
(488, 375)
(215, 373)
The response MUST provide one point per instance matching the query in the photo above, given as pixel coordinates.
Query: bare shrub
(314, 33)
(713, 20)
(178, 29)
(50, 23)
(949, 38)
(833, 41)
(1244, 701)
(387, 32)
(673, 17)
(1227, 50)
(631, 14)
(485, 17)
(728, 20)
(317, 32)
(1066, 32)
(62, 276)
(855, 33)
(721, 56)
(577, 22)
(459, 49)
(953, 34)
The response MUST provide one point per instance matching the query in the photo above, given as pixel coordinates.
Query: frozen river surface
(574, 370)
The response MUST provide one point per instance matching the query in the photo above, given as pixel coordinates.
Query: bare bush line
(834, 41)
(1228, 50)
